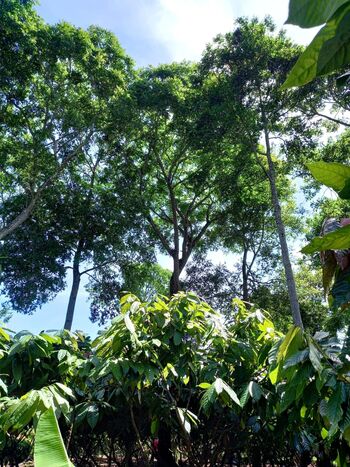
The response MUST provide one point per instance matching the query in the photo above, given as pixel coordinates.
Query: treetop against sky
(159, 31)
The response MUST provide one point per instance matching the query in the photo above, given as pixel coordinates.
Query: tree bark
(245, 276)
(75, 286)
(175, 277)
(292, 292)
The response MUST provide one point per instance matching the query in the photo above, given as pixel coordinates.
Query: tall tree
(56, 86)
(248, 67)
(176, 181)
(59, 112)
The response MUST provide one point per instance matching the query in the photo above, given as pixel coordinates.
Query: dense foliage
(210, 392)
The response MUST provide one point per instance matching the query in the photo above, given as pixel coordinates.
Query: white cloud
(186, 26)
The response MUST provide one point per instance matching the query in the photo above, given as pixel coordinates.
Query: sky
(151, 32)
(159, 31)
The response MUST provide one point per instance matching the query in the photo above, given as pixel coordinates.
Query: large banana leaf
(49, 449)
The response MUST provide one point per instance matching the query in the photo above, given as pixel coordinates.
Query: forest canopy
(238, 354)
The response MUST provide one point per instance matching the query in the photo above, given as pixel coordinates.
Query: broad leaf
(337, 240)
(333, 410)
(296, 358)
(311, 13)
(293, 336)
(329, 50)
(129, 324)
(255, 390)
(231, 393)
(315, 357)
(21, 412)
(332, 174)
(49, 449)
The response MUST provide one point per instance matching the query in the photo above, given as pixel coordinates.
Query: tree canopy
(238, 354)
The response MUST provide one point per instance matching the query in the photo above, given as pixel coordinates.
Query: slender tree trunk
(292, 292)
(75, 286)
(245, 276)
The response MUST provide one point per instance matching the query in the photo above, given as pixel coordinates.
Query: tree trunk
(165, 455)
(245, 276)
(292, 292)
(75, 287)
(175, 277)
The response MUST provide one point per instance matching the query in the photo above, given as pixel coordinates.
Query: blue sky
(158, 31)
(151, 32)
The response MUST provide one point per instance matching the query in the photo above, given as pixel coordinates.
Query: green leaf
(329, 50)
(337, 240)
(65, 389)
(154, 426)
(229, 391)
(345, 192)
(17, 370)
(3, 386)
(296, 358)
(129, 324)
(255, 390)
(287, 398)
(332, 174)
(334, 409)
(181, 414)
(177, 338)
(274, 374)
(21, 412)
(315, 357)
(208, 398)
(4, 334)
(204, 385)
(92, 416)
(293, 336)
(49, 449)
(346, 435)
(311, 13)
(340, 292)
(218, 386)
(244, 395)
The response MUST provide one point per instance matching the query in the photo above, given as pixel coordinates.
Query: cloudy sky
(151, 32)
(154, 31)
